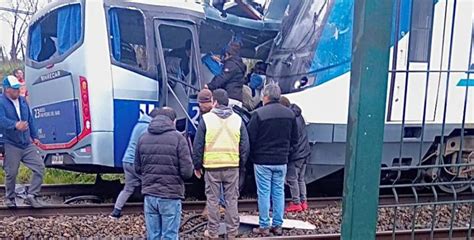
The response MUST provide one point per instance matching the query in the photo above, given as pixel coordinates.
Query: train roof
(270, 20)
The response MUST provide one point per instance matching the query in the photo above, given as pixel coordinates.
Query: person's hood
(145, 118)
(223, 111)
(296, 109)
(161, 124)
(238, 61)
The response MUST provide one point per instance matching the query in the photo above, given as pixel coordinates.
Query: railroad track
(244, 205)
(441, 233)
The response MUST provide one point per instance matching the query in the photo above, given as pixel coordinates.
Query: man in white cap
(20, 138)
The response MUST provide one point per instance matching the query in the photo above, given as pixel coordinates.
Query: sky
(5, 32)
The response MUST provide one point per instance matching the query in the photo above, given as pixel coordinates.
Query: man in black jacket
(232, 77)
(297, 165)
(273, 136)
(163, 161)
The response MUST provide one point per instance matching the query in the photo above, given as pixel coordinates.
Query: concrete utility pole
(365, 129)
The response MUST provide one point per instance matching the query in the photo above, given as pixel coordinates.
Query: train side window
(127, 37)
(421, 27)
(177, 45)
(55, 34)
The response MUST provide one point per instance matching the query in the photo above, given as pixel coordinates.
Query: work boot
(264, 232)
(207, 235)
(33, 201)
(277, 231)
(304, 205)
(293, 208)
(10, 202)
(116, 214)
(232, 236)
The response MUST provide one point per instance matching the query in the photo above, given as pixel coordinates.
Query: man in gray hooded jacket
(221, 147)
(132, 179)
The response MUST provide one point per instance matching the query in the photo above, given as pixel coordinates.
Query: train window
(421, 27)
(129, 49)
(177, 46)
(55, 34)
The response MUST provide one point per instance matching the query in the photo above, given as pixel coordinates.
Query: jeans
(270, 184)
(132, 181)
(162, 218)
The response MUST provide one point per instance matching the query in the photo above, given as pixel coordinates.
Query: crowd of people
(159, 159)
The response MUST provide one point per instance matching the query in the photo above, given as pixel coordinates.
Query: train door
(412, 83)
(177, 58)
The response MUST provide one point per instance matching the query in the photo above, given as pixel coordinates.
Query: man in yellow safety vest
(221, 146)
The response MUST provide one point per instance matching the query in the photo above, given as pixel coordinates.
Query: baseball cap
(11, 82)
(205, 96)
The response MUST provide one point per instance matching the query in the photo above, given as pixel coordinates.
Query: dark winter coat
(232, 78)
(302, 149)
(163, 160)
(273, 134)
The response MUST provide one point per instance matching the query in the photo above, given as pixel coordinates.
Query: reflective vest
(222, 141)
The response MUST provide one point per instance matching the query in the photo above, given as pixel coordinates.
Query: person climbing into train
(231, 78)
(221, 147)
(297, 163)
(273, 136)
(21, 140)
(251, 91)
(163, 161)
(205, 105)
(132, 179)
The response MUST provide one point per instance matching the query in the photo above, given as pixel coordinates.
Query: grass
(57, 176)
(51, 176)
(8, 67)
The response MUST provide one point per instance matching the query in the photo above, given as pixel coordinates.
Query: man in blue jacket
(20, 138)
(132, 179)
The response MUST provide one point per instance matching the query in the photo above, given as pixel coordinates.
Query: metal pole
(368, 91)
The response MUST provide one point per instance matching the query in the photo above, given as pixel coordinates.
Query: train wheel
(457, 178)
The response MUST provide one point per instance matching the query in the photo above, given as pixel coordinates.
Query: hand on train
(21, 126)
(36, 141)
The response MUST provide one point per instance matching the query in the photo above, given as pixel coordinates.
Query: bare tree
(18, 19)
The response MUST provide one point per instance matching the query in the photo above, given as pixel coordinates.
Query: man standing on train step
(132, 179)
(220, 147)
(273, 136)
(21, 139)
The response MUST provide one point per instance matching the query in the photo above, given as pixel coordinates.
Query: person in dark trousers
(21, 138)
(206, 104)
(297, 165)
(221, 147)
(273, 136)
(163, 160)
(232, 77)
(132, 179)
